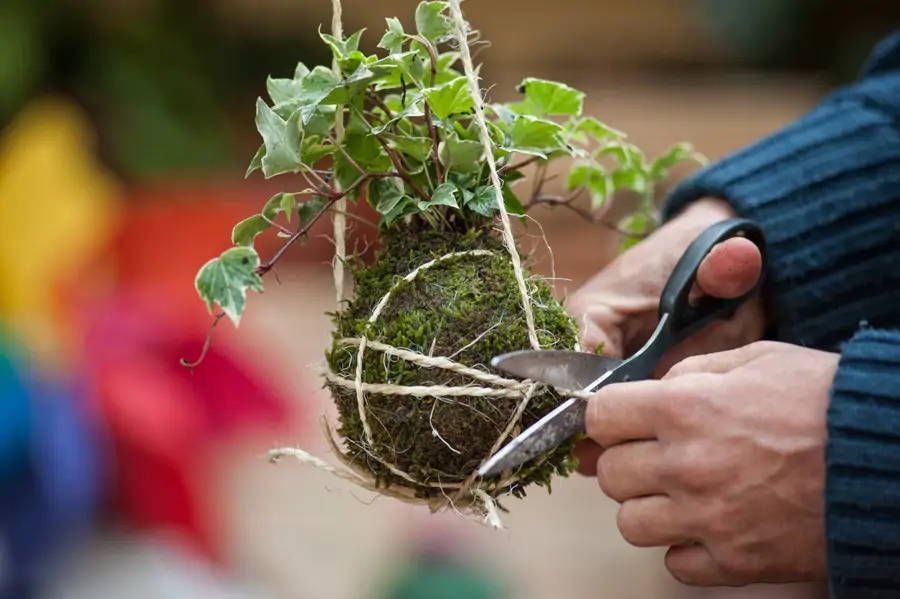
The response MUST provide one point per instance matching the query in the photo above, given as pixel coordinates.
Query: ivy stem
(323, 185)
(380, 103)
(349, 158)
(401, 172)
(332, 200)
(276, 225)
(438, 167)
(518, 165)
(206, 344)
(592, 217)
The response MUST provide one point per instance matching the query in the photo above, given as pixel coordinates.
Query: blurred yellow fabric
(57, 206)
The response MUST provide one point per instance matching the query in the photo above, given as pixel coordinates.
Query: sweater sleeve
(862, 489)
(826, 190)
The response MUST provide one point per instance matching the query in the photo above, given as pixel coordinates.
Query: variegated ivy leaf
(225, 281)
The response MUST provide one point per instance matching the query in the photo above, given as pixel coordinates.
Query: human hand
(619, 306)
(722, 460)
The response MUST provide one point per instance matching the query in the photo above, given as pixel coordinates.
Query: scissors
(679, 318)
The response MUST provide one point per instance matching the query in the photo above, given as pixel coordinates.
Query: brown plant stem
(332, 199)
(518, 165)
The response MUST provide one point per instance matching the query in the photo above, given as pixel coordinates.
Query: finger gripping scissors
(679, 318)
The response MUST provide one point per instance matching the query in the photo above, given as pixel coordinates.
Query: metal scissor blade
(542, 436)
(564, 369)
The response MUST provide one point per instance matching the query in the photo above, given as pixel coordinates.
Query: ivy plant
(397, 127)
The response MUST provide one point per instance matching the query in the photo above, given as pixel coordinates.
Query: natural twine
(471, 493)
(339, 215)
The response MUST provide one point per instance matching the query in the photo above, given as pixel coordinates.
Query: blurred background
(125, 130)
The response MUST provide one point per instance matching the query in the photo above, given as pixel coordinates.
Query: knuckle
(736, 567)
(605, 474)
(593, 419)
(687, 402)
(719, 523)
(687, 572)
(680, 407)
(685, 366)
(632, 528)
(688, 467)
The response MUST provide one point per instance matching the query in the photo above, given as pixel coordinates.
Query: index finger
(623, 412)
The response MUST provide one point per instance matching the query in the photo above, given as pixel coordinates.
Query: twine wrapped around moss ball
(386, 301)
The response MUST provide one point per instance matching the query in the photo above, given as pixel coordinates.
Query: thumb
(731, 269)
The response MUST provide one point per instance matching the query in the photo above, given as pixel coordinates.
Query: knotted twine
(471, 493)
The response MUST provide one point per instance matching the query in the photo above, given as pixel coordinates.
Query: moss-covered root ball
(452, 295)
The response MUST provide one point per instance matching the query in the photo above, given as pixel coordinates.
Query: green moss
(470, 302)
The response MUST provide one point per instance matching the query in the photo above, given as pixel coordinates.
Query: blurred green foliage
(161, 85)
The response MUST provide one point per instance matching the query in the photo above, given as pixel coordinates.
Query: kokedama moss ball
(467, 308)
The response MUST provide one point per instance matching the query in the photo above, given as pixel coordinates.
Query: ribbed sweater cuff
(825, 190)
(862, 489)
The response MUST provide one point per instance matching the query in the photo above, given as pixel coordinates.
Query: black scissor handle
(685, 319)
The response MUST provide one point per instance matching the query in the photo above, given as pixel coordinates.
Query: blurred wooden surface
(571, 32)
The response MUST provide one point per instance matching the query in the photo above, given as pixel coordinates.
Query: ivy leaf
(511, 201)
(365, 150)
(598, 129)
(592, 178)
(225, 281)
(452, 97)
(342, 48)
(628, 155)
(463, 156)
(484, 201)
(505, 115)
(353, 61)
(416, 147)
(256, 161)
(681, 152)
(407, 68)
(405, 207)
(480, 201)
(513, 176)
(579, 176)
(348, 89)
(385, 194)
(312, 151)
(630, 178)
(413, 109)
(318, 120)
(246, 231)
(283, 90)
(309, 209)
(288, 205)
(544, 98)
(345, 173)
(276, 204)
(431, 23)
(320, 82)
(532, 135)
(638, 226)
(314, 87)
(392, 41)
(447, 59)
(281, 140)
(638, 223)
(444, 195)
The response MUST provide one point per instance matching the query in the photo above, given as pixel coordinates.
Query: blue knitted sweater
(826, 190)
